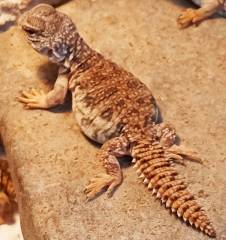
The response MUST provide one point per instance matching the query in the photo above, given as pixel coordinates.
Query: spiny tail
(154, 167)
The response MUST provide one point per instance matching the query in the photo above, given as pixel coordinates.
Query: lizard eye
(29, 30)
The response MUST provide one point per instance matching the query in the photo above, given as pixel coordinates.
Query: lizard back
(106, 98)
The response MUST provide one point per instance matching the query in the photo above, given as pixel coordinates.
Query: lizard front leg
(38, 99)
(192, 16)
(113, 148)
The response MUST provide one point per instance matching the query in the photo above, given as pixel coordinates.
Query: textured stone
(51, 161)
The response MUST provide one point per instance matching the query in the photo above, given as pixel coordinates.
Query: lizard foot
(99, 183)
(179, 153)
(189, 17)
(33, 99)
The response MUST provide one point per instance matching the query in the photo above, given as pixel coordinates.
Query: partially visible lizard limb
(167, 136)
(6, 183)
(192, 16)
(7, 194)
(24, 4)
(38, 99)
(177, 152)
(116, 147)
(7, 208)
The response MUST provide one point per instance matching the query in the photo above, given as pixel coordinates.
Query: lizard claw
(33, 99)
(188, 17)
(99, 183)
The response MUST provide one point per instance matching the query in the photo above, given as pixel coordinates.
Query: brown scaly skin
(114, 108)
(207, 8)
(8, 203)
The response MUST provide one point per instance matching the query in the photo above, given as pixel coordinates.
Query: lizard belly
(91, 123)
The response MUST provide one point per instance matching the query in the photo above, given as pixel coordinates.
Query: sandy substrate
(52, 161)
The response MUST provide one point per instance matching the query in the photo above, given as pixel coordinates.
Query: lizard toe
(187, 18)
(99, 183)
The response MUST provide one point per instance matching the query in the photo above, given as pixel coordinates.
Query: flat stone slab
(52, 161)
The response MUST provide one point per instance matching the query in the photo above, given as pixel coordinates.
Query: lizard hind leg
(166, 134)
(179, 153)
(113, 148)
(167, 138)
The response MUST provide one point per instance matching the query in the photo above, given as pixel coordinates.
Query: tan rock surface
(52, 161)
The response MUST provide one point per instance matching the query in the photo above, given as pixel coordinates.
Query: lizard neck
(84, 58)
(81, 54)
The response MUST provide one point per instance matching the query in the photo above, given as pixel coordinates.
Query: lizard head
(50, 32)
